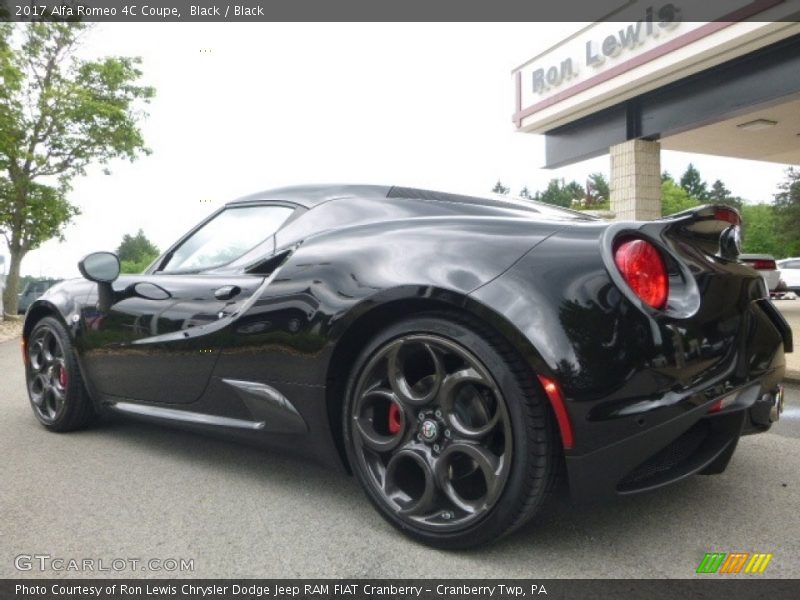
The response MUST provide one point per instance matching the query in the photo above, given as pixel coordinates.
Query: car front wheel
(55, 387)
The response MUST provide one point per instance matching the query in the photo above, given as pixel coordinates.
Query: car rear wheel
(55, 387)
(446, 432)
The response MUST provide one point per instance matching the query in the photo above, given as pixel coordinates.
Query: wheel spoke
(48, 343)
(409, 482)
(371, 420)
(58, 397)
(425, 389)
(48, 405)
(469, 475)
(36, 354)
(37, 388)
(463, 398)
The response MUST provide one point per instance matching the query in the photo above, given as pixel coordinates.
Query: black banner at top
(395, 10)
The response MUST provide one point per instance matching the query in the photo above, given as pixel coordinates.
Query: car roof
(309, 196)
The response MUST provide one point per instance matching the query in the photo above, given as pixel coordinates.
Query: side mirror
(103, 269)
(100, 267)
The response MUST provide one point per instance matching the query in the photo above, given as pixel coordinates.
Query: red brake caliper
(62, 377)
(394, 418)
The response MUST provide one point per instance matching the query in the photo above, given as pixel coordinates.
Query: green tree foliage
(560, 193)
(58, 115)
(758, 230)
(720, 194)
(525, 193)
(787, 213)
(499, 188)
(694, 185)
(598, 193)
(44, 216)
(675, 198)
(136, 253)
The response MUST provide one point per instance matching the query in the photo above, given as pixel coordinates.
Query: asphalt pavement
(127, 490)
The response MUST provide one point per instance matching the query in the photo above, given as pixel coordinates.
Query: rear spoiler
(721, 212)
(717, 228)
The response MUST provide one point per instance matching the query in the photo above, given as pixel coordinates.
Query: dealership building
(655, 79)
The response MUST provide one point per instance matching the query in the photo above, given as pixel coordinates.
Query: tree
(58, 115)
(499, 188)
(598, 193)
(43, 216)
(720, 194)
(787, 213)
(136, 253)
(674, 198)
(525, 193)
(759, 223)
(560, 193)
(694, 185)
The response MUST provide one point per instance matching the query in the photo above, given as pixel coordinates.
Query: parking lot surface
(127, 490)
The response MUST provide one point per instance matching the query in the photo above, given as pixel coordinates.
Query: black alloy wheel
(430, 430)
(55, 387)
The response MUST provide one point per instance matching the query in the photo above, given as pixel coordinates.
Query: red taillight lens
(644, 271)
(763, 265)
(729, 215)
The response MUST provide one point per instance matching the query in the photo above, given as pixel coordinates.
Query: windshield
(226, 237)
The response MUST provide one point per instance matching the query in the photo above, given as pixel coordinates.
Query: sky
(244, 107)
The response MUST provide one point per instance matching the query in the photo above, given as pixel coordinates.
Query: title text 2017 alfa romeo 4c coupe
(455, 353)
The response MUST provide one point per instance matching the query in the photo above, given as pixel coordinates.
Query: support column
(636, 180)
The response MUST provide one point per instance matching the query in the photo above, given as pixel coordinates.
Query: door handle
(227, 292)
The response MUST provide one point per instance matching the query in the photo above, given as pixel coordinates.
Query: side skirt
(171, 414)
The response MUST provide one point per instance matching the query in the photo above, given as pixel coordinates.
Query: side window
(226, 237)
(792, 264)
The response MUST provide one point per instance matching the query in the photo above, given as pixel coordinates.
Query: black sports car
(455, 353)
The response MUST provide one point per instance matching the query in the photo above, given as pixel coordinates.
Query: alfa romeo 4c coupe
(456, 354)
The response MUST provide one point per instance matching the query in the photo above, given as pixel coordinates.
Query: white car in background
(765, 265)
(790, 273)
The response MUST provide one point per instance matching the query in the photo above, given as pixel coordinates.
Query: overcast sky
(267, 105)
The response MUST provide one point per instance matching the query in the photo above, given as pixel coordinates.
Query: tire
(447, 433)
(56, 390)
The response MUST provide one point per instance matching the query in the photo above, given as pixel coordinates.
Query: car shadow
(559, 524)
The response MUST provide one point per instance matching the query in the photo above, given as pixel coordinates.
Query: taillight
(727, 214)
(644, 270)
(763, 264)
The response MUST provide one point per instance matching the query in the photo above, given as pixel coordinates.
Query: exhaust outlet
(777, 405)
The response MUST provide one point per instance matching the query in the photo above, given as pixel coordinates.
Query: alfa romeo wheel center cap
(429, 430)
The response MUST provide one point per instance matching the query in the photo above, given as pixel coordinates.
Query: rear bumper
(698, 441)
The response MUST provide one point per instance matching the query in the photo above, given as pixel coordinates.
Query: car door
(158, 339)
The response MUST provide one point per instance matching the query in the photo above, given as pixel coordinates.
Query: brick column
(636, 180)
